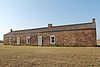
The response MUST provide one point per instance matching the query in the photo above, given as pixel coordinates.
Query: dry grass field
(32, 56)
(98, 41)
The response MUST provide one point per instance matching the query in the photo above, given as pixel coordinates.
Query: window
(52, 39)
(28, 40)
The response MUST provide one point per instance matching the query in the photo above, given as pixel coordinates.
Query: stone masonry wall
(63, 38)
(76, 38)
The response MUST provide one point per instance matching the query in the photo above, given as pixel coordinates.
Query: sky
(27, 14)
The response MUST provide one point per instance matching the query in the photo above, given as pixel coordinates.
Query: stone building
(65, 35)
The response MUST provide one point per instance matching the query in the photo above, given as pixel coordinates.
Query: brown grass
(98, 41)
(30, 56)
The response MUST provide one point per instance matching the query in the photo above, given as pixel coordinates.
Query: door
(39, 40)
(18, 40)
(10, 40)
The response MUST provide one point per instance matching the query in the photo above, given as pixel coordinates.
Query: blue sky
(26, 14)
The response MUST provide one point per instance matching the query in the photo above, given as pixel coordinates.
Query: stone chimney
(93, 20)
(49, 25)
(11, 30)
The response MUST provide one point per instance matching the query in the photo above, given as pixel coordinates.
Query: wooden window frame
(52, 36)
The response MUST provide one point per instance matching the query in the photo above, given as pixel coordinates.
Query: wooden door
(40, 41)
(18, 40)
